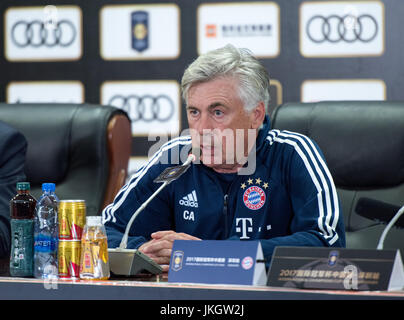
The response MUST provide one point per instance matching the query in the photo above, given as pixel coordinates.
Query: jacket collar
(263, 132)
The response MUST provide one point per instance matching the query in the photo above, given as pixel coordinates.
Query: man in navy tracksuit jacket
(288, 200)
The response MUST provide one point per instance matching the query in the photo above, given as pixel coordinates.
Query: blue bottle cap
(48, 187)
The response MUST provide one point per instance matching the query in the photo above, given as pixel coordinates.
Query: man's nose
(203, 124)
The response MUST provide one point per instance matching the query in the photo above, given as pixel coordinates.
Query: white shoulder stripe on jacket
(109, 212)
(316, 168)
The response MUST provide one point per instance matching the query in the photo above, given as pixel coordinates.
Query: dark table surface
(156, 287)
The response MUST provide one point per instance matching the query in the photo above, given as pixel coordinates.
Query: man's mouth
(208, 149)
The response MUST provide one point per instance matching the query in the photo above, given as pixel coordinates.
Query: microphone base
(130, 262)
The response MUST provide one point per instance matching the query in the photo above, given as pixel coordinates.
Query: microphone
(383, 212)
(191, 158)
(378, 211)
(125, 261)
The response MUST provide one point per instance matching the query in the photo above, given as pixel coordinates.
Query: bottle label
(44, 243)
(94, 259)
(22, 255)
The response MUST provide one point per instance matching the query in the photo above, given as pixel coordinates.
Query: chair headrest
(362, 141)
(58, 135)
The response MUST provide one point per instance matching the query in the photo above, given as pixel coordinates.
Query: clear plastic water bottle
(46, 234)
(94, 262)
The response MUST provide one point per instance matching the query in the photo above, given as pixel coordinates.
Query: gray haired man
(287, 198)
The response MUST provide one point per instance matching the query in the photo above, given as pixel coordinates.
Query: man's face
(219, 124)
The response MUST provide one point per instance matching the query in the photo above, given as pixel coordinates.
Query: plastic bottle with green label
(22, 212)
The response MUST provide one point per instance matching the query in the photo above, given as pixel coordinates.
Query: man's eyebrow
(191, 107)
(217, 104)
(211, 106)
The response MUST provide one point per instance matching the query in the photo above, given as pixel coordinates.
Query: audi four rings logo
(348, 28)
(37, 34)
(147, 108)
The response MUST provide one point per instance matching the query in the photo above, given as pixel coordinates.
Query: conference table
(156, 287)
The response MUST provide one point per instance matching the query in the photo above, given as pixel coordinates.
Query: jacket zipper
(226, 229)
(225, 204)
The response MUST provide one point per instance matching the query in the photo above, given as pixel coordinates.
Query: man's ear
(258, 115)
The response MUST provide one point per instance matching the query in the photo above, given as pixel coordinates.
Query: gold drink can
(69, 259)
(71, 216)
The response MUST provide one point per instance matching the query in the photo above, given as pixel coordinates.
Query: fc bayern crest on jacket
(254, 196)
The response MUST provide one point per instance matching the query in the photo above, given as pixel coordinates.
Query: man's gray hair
(230, 61)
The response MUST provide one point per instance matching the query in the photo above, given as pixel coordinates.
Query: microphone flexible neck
(124, 241)
(388, 227)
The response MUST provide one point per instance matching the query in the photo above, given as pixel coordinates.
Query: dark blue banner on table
(218, 262)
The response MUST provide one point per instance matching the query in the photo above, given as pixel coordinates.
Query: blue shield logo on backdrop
(176, 263)
(140, 30)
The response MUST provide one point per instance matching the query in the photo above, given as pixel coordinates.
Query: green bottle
(22, 212)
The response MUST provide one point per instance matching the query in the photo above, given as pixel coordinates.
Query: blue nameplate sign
(218, 262)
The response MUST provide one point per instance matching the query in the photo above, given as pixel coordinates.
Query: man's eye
(218, 113)
(193, 112)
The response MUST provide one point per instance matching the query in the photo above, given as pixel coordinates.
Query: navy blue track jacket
(290, 199)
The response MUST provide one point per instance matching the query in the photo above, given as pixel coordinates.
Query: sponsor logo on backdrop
(35, 34)
(45, 91)
(145, 108)
(211, 31)
(153, 106)
(344, 28)
(139, 32)
(347, 28)
(43, 33)
(248, 25)
(337, 90)
(247, 30)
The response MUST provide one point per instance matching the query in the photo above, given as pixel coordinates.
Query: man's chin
(210, 159)
(219, 166)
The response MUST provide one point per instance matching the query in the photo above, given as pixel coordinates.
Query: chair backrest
(84, 149)
(363, 144)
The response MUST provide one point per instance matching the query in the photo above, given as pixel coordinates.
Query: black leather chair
(84, 149)
(363, 144)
